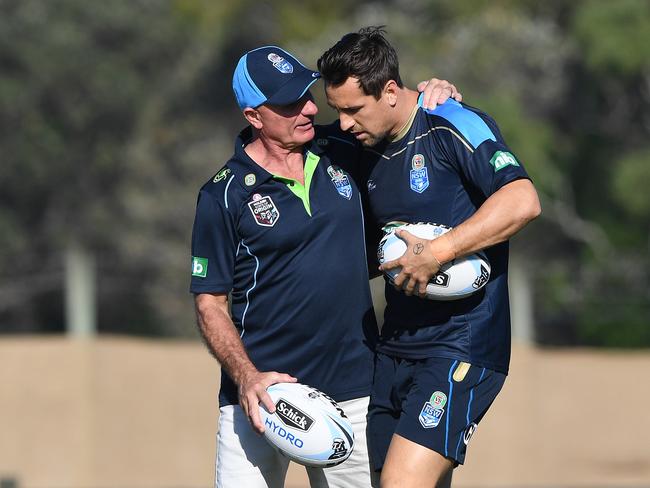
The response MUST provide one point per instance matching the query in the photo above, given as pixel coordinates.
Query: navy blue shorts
(435, 402)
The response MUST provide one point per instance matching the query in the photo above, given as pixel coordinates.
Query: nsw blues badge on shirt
(340, 181)
(418, 175)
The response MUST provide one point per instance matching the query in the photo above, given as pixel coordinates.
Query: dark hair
(367, 55)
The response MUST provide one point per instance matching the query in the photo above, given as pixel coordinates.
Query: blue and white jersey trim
(420, 136)
(257, 267)
(469, 409)
(225, 192)
(363, 227)
(451, 391)
(473, 128)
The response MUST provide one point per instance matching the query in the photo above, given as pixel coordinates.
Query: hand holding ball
(457, 279)
(307, 426)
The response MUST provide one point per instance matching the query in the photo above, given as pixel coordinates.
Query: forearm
(221, 336)
(501, 216)
(224, 342)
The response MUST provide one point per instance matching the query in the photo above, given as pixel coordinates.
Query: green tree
(113, 114)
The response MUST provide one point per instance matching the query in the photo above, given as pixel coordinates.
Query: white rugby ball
(307, 426)
(455, 280)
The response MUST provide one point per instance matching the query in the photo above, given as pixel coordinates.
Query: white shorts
(245, 459)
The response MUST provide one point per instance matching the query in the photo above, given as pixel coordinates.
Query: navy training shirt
(299, 288)
(448, 163)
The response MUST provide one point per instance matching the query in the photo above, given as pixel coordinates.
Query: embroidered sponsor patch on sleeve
(199, 267)
(501, 159)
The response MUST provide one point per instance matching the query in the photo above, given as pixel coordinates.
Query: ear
(253, 117)
(390, 92)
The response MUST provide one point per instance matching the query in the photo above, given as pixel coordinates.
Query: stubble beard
(371, 140)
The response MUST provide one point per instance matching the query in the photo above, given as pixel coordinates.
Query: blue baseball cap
(270, 74)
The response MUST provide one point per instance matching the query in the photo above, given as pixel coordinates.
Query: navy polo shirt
(295, 268)
(448, 163)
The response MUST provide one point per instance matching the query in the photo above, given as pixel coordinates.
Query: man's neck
(278, 160)
(407, 102)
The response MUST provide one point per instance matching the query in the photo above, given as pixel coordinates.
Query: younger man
(439, 365)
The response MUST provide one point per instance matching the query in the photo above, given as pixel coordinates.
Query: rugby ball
(307, 426)
(457, 279)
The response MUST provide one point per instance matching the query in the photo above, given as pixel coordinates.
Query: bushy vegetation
(114, 113)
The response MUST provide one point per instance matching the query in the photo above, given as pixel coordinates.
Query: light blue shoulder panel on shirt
(467, 122)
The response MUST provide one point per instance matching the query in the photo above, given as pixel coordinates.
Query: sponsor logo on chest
(419, 177)
(264, 210)
(340, 181)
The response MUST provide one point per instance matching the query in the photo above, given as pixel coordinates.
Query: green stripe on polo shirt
(302, 191)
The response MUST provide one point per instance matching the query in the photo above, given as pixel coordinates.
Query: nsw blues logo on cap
(281, 64)
(270, 75)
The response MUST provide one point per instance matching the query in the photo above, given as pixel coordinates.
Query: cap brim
(294, 89)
